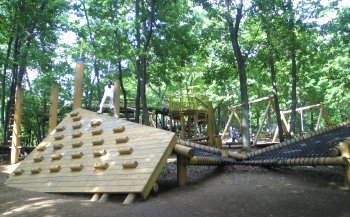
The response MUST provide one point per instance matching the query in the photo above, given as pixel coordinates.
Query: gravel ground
(211, 191)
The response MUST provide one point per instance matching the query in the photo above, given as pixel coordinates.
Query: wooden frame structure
(234, 114)
(323, 112)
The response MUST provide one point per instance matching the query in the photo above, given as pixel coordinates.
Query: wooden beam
(195, 119)
(325, 113)
(16, 133)
(53, 109)
(182, 120)
(227, 124)
(254, 101)
(184, 151)
(78, 83)
(345, 152)
(302, 108)
(262, 123)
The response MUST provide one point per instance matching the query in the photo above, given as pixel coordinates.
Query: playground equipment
(191, 110)
(285, 125)
(123, 157)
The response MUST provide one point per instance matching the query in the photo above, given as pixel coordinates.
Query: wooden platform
(81, 170)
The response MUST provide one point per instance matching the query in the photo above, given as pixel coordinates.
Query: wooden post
(53, 109)
(302, 120)
(262, 123)
(275, 135)
(325, 112)
(78, 83)
(181, 170)
(195, 118)
(319, 119)
(182, 120)
(238, 120)
(211, 124)
(227, 125)
(345, 152)
(16, 134)
(117, 97)
(171, 124)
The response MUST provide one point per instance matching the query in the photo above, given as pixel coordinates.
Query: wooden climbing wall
(90, 153)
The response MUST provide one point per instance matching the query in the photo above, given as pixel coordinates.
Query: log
(184, 151)
(76, 167)
(97, 142)
(129, 199)
(118, 129)
(77, 126)
(97, 132)
(123, 139)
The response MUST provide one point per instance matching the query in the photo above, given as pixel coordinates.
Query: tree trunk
(233, 28)
(274, 87)
(138, 61)
(3, 86)
(294, 66)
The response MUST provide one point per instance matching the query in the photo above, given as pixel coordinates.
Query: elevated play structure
(102, 155)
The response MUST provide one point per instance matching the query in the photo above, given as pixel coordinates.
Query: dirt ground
(211, 191)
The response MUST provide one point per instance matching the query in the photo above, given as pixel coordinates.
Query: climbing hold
(125, 150)
(58, 146)
(77, 154)
(59, 129)
(77, 118)
(35, 170)
(18, 172)
(41, 148)
(77, 144)
(118, 129)
(77, 126)
(38, 158)
(100, 153)
(129, 164)
(76, 167)
(77, 134)
(97, 132)
(101, 165)
(74, 114)
(122, 139)
(56, 156)
(95, 123)
(97, 142)
(59, 137)
(55, 168)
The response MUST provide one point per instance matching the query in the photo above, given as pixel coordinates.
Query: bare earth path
(212, 191)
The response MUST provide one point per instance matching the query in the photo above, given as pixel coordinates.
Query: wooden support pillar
(262, 123)
(325, 113)
(129, 199)
(78, 84)
(319, 119)
(171, 124)
(53, 109)
(345, 152)
(302, 120)
(211, 124)
(181, 170)
(227, 124)
(237, 119)
(182, 120)
(16, 134)
(117, 97)
(195, 119)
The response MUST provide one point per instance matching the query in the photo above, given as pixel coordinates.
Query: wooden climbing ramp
(90, 153)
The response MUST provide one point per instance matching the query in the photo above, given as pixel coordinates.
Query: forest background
(230, 51)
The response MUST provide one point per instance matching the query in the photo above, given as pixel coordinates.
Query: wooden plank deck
(151, 148)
